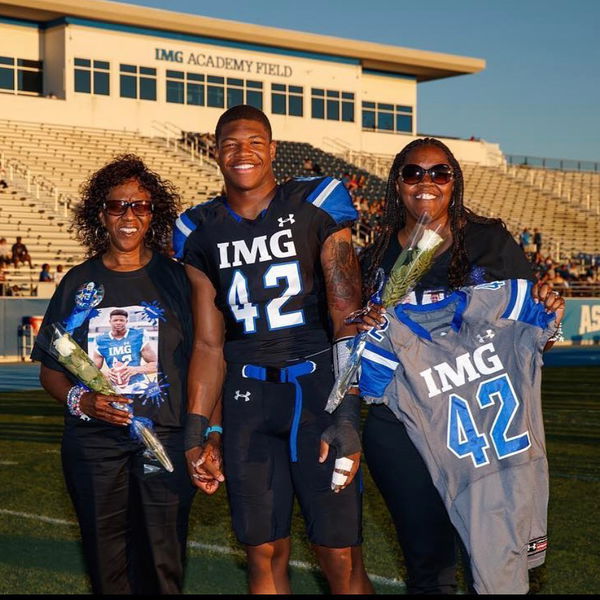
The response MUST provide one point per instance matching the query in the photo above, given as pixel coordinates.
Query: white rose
(64, 346)
(429, 239)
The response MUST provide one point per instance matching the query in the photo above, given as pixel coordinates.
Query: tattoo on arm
(342, 275)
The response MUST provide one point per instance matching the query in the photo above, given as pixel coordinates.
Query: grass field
(39, 551)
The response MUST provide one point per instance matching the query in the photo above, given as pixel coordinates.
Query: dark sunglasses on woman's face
(117, 208)
(440, 174)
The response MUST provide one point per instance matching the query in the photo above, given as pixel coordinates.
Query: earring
(98, 231)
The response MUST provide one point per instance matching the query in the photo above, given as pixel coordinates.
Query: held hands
(205, 465)
(100, 407)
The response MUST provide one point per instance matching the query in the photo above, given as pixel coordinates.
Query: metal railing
(41, 188)
(563, 164)
(175, 140)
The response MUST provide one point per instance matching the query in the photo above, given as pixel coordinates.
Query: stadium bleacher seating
(500, 192)
(46, 164)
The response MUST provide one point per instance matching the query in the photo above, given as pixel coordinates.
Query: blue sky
(538, 95)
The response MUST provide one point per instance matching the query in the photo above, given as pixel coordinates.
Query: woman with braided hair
(426, 177)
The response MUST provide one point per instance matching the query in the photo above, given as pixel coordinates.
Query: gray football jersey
(463, 375)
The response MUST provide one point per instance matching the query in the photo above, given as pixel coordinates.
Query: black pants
(425, 533)
(133, 518)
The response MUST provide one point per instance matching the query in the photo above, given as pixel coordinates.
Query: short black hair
(118, 312)
(239, 112)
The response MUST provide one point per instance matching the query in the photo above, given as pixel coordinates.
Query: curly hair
(394, 219)
(86, 222)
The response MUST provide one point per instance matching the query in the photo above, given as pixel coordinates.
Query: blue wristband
(213, 428)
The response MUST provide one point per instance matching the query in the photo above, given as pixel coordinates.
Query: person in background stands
(525, 239)
(537, 240)
(59, 274)
(5, 253)
(20, 254)
(45, 274)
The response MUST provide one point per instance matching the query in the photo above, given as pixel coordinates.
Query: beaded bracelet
(73, 402)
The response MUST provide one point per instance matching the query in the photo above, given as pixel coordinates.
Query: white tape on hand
(343, 464)
(338, 479)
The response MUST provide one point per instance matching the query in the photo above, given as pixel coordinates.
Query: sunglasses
(440, 174)
(117, 208)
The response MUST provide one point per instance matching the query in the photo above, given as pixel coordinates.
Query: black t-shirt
(151, 325)
(267, 271)
(493, 255)
(19, 249)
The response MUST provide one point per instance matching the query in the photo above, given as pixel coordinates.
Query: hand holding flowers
(410, 266)
(101, 400)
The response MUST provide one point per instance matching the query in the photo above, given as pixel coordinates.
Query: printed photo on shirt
(124, 345)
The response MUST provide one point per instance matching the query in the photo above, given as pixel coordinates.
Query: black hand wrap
(195, 430)
(343, 434)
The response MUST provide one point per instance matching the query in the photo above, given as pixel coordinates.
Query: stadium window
(175, 87)
(235, 92)
(215, 91)
(101, 76)
(244, 92)
(138, 82)
(88, 72)
(29, 76)
(254, 93)
(128, 80)
(337, 106)
(287, 99)
(7, 73)
(317, 103)
(147, 83)
(20, 75)
(385, 117)
(381, 116)
(348, 107)
(195, 89)
(185, 88)
(333, 105)
(404, 120)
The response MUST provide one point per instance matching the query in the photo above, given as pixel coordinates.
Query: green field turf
(39, 551)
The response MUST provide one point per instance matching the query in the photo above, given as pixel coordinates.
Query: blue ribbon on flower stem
(133, 432)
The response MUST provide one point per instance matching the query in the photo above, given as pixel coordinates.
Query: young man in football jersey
(123, 348)
(273, 274)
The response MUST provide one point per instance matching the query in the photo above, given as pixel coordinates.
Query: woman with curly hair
(128, 306)
(426, 177)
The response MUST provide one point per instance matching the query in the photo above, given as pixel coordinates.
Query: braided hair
(394, 219)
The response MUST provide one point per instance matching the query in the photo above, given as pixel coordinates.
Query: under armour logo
(289, 220)
(240, 396)
(489, 335)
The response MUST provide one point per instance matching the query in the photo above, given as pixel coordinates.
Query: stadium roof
(423, 65)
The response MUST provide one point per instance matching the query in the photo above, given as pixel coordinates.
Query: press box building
(110, 65)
